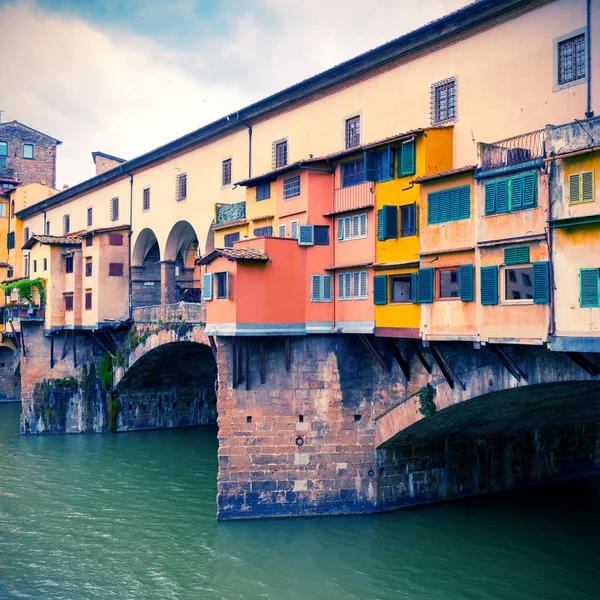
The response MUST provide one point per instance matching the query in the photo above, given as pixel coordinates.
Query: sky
(126, 76)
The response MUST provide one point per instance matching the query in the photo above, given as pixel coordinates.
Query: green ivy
(25, 289)
(105, 371)
(426, 395)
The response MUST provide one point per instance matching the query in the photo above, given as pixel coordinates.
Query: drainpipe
(589, 113)
(547, 174)
(129, 238)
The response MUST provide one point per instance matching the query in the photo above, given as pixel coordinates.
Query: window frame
(353, 176)
(181, 184)
(352, 136)
(221, 283)
(318, 242)
(556, 48)
(503, 272)
(268, 231)
(66, 224)
(283, 144)
(580, 187)
(435, 110)
(113, 267)
(226, 177)
(114, 214)
(391, 279)
(263, 186)
(90, 216)
(89, 269)
(69, 264)
(66, 297)
(88, 296)
(146, 199)
(413, 208)
(32, 146)
(438, 284)
(295, 190)
(227, 238)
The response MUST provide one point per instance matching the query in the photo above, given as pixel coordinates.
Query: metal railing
(169, 313)
(354, 196)
(512, 151)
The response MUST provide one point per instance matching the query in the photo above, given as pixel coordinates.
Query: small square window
(353, 173)
(263, 191)
(448, 284)
(28, 151)
(115, 239)
(443, 101)
(280, 154)
(401, 289)
(115, 269)
(226, 172)
(68, 264)
(353, 132)
(571, 59)
(291, 187)
(321, 235)
(518, 284)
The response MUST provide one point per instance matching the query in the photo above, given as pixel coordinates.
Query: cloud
(99, 83)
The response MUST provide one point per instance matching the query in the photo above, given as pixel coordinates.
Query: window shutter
(574, 188)
(227, 284)
(516, 256)
(207, 286)
(466, 283)
(489, 285)
(370, 166)
(380, 287)
(502, 196)
(315, 288)
(529, 190)
(388, 163)
(340, 229)
(381, 214)
(454, 204)
(307, 235)
(294, 230)
(464, 211)
(490, 197)
(433, 208)
(364, 285)
(444, 205)
(326, 288)
(425, 291)
(356, 226)
(541, 282)
(413, 287)
(362, 228)
(348, 286)
(282, 232)
(589, 288)
(517, 193)
(341, 287)
(356, 285)
(391, 222)
(406, 162)
(587, 186)
(347, 228)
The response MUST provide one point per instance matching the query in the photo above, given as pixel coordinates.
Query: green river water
(132, 516)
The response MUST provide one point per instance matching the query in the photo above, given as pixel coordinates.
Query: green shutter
(589, 288)
(444, 206)
(502, 196)
(406, 159)
(490, 197)
(516, 256)
(433, 208)
(381, 225)
(391, 222)
(541, 282)
(489, 285)
(413, 287)
(380, 288)
(389, 162)
(464, 211)
(425, 283)
(370, 166)
(587, 186)
(453, 204)
(207, 286)
(466, 283)
(516, 200)
(529, 190)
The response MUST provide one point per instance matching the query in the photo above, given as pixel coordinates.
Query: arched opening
(181, 276)
(173, 385)
(145, 270)
(10, 380)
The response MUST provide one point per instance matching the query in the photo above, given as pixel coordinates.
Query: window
(26, 265)
(69, 264)
(294, 230)
(90, 217)
(282, 231)
(407, 161)
(89, 240)
(35, 266)
(384, 164)
(181, 187)
(146, 199)
(408, 220)
(263, 231)
(320, 288)
(354, 227)
(581, 187)
(28, 151)
(226, 172)
(589, 288)
(571, 59)
(263, 191)
(68, 301)
(222, 280)
(387, 223)
(449, 205)
(115, 239)
(344, 286)
(25, 235)
(448, 283)
(3, 148)
(115, 269)
(514, 193)
(45, 264)
(88, 299)
(114, 209)
(47, 227)
(401, 288)
(518, 284)
(3, 209)
(353, 173)
(280, 154)
(321, 235)
(66, 224)
(230, 238)
(10, 240)
(353, 286)
(291, 187)
(88, 267)
(353, 132)
(443, 101)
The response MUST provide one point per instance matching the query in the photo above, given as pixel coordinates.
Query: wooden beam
(116, 342)
(213, 346)
(74, 351)
(262, 361)
(15, 336)
(64, 350)
(371, 348)
(420, 356)
(52, 349)
(442, 365)
(247, 363)
(404, 366)
(587, 365)
(101, 345)
(240, 364)
(509, 363)
(287, 354)
(234, 350)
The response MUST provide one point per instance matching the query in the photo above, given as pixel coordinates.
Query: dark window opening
(263, 192)
(68, 264)
(401, 289)
(408, 220)
(115, 269)
(518, 283)
(221, 279)
(69, 302)
(230, 238)
(321, 235)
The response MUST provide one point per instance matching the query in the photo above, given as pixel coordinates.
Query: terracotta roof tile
(52, 240)
(442, 174)
(234, 254)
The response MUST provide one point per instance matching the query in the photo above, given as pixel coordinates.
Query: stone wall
(10, 380)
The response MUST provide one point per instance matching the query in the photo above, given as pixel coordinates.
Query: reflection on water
(132, 516)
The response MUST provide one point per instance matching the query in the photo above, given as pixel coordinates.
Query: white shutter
(326, 296)
(347, 229)
(362, 225)
(364, 284)
(340, 286)
(315, 288)
(356, 286)
(207, 286)
(340, 229)
(348, 290)
(294, 229)
(227, 284)
(306, 235)
(356, 226)
(282, 231)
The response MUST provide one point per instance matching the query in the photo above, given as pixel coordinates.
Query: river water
(133, 516)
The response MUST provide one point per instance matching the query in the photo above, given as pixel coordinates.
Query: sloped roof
(85, 232)
(109, 156)
(447, 173)
(234, 254)
(15, 122)
(52, 240)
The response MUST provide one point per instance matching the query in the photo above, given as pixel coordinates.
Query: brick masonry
(10, 381)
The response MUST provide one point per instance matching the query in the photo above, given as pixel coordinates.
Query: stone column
(167, 282)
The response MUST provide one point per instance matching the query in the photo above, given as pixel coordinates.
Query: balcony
(354, 197)
(229, 213)
(516, 150)
(25, 313)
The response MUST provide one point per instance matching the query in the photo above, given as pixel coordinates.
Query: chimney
(105, 162)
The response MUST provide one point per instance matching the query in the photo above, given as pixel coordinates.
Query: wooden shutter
(529, 190)
(589, 288)
(364, 285)
(355, 226)
(574, 188)
(541, 282)
(425, 290)
(444, 206)
(433, 208)
(516, 191)
(466, 283)
(362, 225)
(341, 286)
(326, 291)
(453, 204)
(227, 284)
(340, 229)
(306, 235)
(516, 256)
(502, 196)
(406, 159)
(391, 222)
(370, 166)
(490, 197)
(464, 211)
(207, 286)
(587, 186)
(413, 287)
(380, 289)
(387, 163)
(114, 269)
(381, 224)
(489, 285)
(294, 230)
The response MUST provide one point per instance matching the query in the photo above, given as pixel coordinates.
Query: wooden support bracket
(509, 363)
(585, 363)
(287, 354)
(115, 341)
(247, 363)
(443, 365)
(23, 348)
(213, 346)
(94, 337)
(420, 356)
(15, 336)
(403, 364)
(52, 349)
(371, 348)
(262, 361)
(64, 350)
